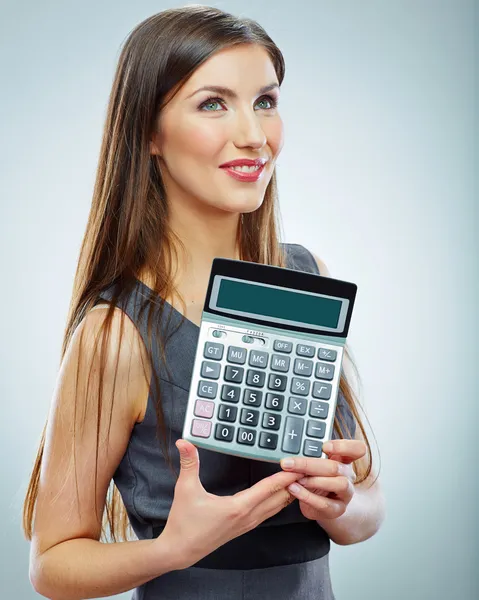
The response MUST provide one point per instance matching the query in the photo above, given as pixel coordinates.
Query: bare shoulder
(125, 354)
(92, 413)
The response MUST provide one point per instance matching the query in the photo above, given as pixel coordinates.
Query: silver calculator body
(268, 362)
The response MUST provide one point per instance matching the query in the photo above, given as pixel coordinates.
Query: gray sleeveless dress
(285, 556)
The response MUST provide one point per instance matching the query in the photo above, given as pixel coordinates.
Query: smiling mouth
(245, 173)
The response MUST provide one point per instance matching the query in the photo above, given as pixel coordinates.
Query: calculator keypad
(274, 400)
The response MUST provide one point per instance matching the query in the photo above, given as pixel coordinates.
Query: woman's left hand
(328, 485)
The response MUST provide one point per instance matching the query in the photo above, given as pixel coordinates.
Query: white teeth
(244, 169)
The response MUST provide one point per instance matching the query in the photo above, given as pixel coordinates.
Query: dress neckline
(172, 308)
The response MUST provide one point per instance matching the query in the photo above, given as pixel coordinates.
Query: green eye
(213, 101)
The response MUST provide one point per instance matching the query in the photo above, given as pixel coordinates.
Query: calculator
(267, 365)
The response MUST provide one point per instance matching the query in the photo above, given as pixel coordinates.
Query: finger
(271, 506)
(348, 450)
(341, 486)
(347, 470)
(262, 490)
(189, 463)
(323, 467)
(327, 508)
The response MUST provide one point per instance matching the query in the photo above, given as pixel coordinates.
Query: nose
(248, 131)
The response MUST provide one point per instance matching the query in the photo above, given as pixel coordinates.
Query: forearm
(362, 519)
(85, 568)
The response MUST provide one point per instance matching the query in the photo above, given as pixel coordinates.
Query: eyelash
(273, 101)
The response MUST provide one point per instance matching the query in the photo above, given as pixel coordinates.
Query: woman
(195, 88)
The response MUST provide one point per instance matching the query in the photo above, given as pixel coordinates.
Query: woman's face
(199, 130)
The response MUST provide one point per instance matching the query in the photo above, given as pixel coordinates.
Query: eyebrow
(224, 91)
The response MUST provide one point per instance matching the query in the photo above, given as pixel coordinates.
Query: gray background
(376, 177)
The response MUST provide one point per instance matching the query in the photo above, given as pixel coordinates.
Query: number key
(227, 413)
(274, 401)
(249, 417)
(224, 432)
(234, 374)
(255, 378)
(277, 382)
(252, 397)
(246, 436)
(271, 421)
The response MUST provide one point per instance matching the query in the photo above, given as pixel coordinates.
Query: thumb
(189, 461)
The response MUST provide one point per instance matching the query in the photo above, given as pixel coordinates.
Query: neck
(206, 233)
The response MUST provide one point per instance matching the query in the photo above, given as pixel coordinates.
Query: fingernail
(288, 463)
(327, 447)
(303, 480)
(294, 489)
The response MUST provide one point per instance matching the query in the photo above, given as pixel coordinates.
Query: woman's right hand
(200, 522)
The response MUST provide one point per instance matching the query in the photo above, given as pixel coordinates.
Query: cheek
(201, 140)
(274, 131)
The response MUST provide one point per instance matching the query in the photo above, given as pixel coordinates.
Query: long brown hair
(127, 230)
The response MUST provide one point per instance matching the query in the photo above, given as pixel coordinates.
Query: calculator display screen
(278, 304)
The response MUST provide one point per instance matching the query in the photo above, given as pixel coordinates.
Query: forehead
(243, 67)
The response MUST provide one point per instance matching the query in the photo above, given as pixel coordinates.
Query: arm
(67, 560)
(366, 511)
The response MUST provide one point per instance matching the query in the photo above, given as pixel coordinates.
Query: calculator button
(268, 440)
(300, 386)
(204, 408)
(280, 363)
(258, 358)
(247, 339)
(319, 409)
(210, 369)
(277, 382)
(280, 346)
(227, 413)
(303, 367)
(207, 389)
(246, 436)
(304, 350)
(324, 371)
(213, 351)
(312, 448)
(217, 333)
(252, 397)
(322, 390)
(224, 432)
(271, 421)
(255, 378)
(274, 401)
(297, 406)
(237, 355)
(249, 417)
(327, 354)
(230, 393)
(201, 428)
(316, 429)
(292, 435)
(234, 374)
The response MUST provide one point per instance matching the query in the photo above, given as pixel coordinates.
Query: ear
(155, 143)
(154, 148)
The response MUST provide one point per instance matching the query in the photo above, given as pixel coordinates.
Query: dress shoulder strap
(300, 258)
